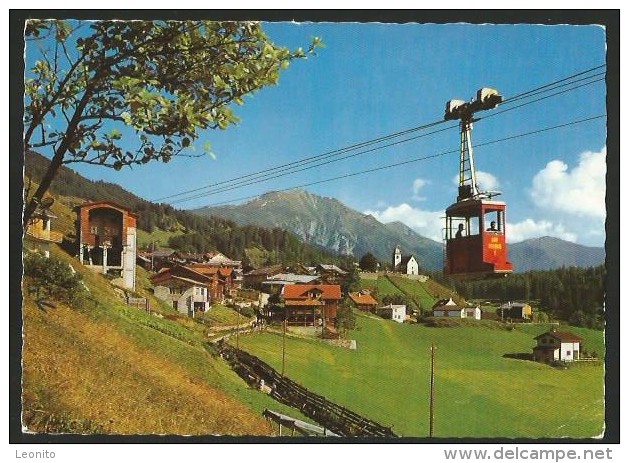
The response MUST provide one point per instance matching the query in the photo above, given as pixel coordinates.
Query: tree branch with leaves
(166, 80)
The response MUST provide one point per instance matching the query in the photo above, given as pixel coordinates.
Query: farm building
(363, 300)
(308, 304)
(449, 308)
(330, 273)
(221, 283)
(397, 313)
(187, 290)
(515, 311)
(107, 239)
(38, 234)
(254, 278)
(557, 345)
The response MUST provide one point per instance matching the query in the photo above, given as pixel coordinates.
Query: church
(404, 264)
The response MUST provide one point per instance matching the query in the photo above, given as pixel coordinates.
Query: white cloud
(418, 184)
(426, 223)
(530, 228)
(580, 191)
(484, 181)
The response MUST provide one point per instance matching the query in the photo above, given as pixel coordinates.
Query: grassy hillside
(110, 368)
(423, 294)
(479, 391)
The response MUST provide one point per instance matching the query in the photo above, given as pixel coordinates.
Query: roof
(406, 259)
(106, 204)
(206, 269)
(292, 278)
(305, 302)
(393, 307)
(331, 268)
(180, 271)
(513, 305)
(363, 299)
(43, 213)
(563, 336)
(301, 291)
(183, 279)
(162, 253)
(444, 303)
(272, 270)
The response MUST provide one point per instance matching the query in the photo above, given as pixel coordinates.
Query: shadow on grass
(519, 356)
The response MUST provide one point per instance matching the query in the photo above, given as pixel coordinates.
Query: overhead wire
(378, 143)
(310, 159)
(423, 158)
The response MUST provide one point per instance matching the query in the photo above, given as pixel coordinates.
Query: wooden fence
(331, 416)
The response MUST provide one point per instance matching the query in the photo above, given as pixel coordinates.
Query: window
(495, 218)
(94, 230)
(568, 353)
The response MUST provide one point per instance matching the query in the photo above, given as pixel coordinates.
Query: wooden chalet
(311, 305)
(363, 300)
(221, 280)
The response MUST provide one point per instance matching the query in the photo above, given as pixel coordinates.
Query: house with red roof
(221, 280)
(363, 300)
(311, 305)
(554, 345)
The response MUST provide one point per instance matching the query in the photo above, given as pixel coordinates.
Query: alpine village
(287, 320)
(178, 323)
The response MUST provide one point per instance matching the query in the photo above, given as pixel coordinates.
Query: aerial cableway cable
(379, 143)
(308, 160)
(423, 158)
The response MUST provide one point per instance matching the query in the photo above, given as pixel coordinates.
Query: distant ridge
(326, 222)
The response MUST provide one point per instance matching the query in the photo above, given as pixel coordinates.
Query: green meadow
(479, 392)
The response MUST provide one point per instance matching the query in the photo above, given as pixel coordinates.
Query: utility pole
(237, 328)
(284, 345)
(432, 390)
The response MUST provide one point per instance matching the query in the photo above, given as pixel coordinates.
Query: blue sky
(372, 80)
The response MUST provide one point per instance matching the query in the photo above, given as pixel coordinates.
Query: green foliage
(166, 80)
(571, 294)
(345, 318)
(352, 280)
(479, 392)
(54, 277)
(203, 233)
(368, 263)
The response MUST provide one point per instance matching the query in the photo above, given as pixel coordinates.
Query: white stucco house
(555, 345)
(397, 313)
(449, 308)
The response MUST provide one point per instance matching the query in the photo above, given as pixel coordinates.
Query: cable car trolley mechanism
(475, 231)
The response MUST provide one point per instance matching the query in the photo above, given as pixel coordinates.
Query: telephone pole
(432, 390)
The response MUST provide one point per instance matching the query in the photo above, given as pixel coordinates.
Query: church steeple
(397, 257)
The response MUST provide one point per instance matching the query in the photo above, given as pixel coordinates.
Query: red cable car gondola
(475, 238)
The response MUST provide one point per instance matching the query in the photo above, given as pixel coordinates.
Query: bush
(55, 278)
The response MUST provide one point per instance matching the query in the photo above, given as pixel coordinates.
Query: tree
(166, 80)
(368, 263)
(345, 318)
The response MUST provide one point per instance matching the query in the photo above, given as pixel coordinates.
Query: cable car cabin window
(493, 221)
(460, 227)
